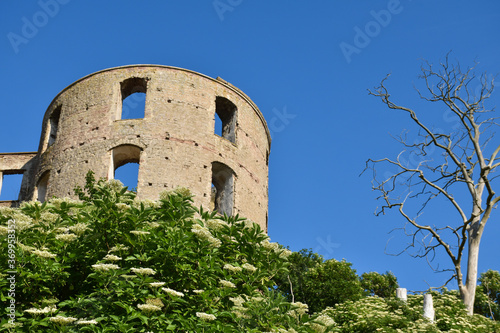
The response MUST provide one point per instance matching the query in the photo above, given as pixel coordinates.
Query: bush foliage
(111, 263)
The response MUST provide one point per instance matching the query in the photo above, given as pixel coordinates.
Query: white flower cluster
(57, 202)
(117, 248)
(216, 224)
(62, 320)
(156, 284)
(104, 267)
(298, 309)
(249, 267)
(139, 232)
(238, 301)
(204, 233)
(22, 221)
(153, 225)
(48, 217)
(285, 253)
(148, 307)
(248, 224)
(47, 309)
(122, 206)
(66, 237)
(198, 291)
(3, 230)
(115, 185)
(44, 254)
(111, 257)
(143, 271)
(147, 203)
(269, 246)
(321, 323)
(227, 284)
(61, 230)
(172, 292)
(205, 316)
(232, 268)
(79, 228)
(86, 322)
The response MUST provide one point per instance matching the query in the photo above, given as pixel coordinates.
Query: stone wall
(174, 143)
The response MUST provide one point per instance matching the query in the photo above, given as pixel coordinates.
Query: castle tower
(174, 141)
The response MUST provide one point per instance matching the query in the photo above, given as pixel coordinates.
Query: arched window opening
(128, 174)
(54, 125)
(10, 185)
(125, 162)
(41, 187)
(133, 92)
(225, 119)
(223, 188)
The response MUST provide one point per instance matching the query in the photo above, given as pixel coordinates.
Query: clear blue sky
(287, 56)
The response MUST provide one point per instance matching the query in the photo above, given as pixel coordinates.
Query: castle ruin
(174, 143)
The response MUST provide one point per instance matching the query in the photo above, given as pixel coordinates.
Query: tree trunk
(468, 292)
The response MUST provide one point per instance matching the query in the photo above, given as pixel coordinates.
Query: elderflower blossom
(205, 316)
(139, 232)
(238, 301)
(22, 221)
(298, 309)
(227, 284)
(111, 257)
(216, 224)
(66, 237)
(148, 307)
(122, 206)
(57, 202)
(285, 253)
(62, 320)
(173, 292)
(79, 228)
(3, 230)
(44, 254)
(198, 291)
(143, 271)
(48, 217)
(86, 322)
(153, 224)
(204, 233)
(47, 309)
(104, 267)
(232, 268)
(156, 284)
(249, 267)
(269, 246)
(155, 302)
(119, 247)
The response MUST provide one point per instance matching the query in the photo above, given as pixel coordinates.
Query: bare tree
(454, 166)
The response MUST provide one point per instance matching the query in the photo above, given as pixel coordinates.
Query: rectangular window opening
(225, 125)
(10, 186)
(54, 125)
(133, 93)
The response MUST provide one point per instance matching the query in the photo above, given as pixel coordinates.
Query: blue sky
(305, 60)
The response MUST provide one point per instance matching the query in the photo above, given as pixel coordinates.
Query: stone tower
(174, 143)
